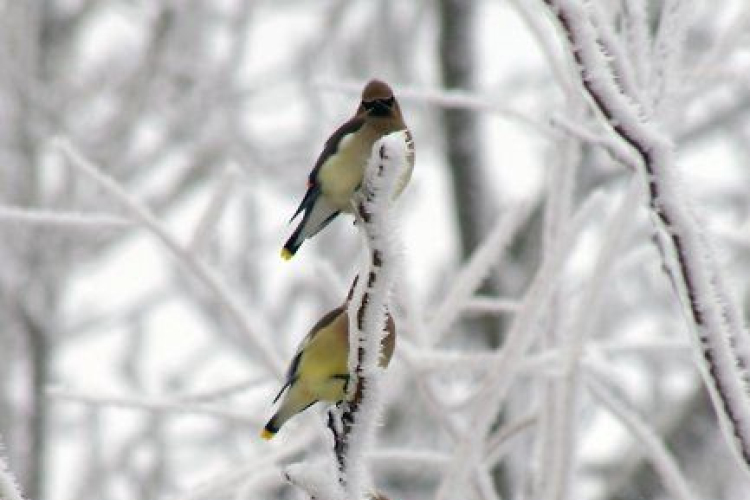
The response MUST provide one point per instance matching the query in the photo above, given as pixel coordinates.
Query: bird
(319, 369)
(340, 167)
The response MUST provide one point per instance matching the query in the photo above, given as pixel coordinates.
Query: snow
(200, 270)
(482, 261)
(9, 489)
(370, 302)
(174, 324)
(687, 250)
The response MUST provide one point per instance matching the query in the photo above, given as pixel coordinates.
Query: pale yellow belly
(342, 174)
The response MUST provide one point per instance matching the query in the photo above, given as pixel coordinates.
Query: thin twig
(151, 405)
(504, 371)
(661, 458)
(64, 220)
(237, 312)
(484, 258)
(453, 99)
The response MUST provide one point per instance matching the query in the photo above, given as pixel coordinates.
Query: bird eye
(388, 102)
(368, 105)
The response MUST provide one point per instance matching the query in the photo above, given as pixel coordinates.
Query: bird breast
(342, 172)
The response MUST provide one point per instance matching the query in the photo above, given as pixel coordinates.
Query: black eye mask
(379, 107)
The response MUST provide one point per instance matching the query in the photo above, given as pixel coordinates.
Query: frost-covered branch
(9, 489)
(484, 258)
(509, 359)
(662, 459)
(719, 336)
(489, 305)
(498, 444)
(355, 430)
(251, 471)
(151, 405)
(560, 458)
(201, 271)
(453, 99)
(354, 422)
(217, 205)
(222, 392)
(63, 220)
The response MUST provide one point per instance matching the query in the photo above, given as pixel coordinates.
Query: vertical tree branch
(505, 367)
(353, 421)
(713, 314)
(462, 132)
(353, 424)
(463, 149)
(39, 359)
(474, 202)
(565, 428)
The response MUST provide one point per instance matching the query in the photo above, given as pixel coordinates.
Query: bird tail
(292, 405)
(292, 244)
(318, 213)
(270, 429)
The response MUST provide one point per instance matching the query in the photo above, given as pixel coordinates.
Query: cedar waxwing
(319, 370)
(339, 170)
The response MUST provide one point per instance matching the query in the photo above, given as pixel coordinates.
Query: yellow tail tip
(286, 254)
(266, 434)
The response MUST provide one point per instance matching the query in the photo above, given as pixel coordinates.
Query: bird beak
(382, 107)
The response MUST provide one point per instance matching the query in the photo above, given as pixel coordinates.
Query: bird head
(377, 99)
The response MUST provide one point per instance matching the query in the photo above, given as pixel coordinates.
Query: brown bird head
(378, 100)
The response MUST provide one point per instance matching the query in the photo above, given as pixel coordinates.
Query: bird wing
(329, 149)
(312, 192)
(291, 374)
(332, 144)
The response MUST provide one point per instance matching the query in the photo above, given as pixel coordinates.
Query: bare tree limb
(197, 268)
(712, 311)
(659, 455)
(353, 423)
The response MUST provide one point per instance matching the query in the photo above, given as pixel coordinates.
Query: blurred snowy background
(135, 313)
